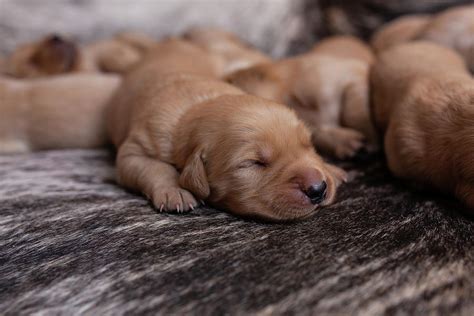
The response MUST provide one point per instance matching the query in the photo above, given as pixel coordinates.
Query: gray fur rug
(73, 242)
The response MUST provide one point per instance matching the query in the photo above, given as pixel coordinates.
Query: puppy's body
(329, 93)
(62, 112)
(398, 31)
(453, 28)
(344, 46)
(183, 136)
(234, 54)
(55, 55)
(423, 101)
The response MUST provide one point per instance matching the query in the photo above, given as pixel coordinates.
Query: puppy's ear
(193, 176)
(55, 54)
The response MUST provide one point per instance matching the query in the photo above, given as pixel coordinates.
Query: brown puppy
(423, 101)
(401, 30)
(329, 93)
(183, 136)
(66, 111)
(453, 28)
(56, 54)
(345, 46)
(234, 53)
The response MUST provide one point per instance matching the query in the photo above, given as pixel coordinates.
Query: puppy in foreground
(423, 102)
(183, 136)
(66, 111)
(327, 88)
(56, 54)
(233, 53)
(453, 28)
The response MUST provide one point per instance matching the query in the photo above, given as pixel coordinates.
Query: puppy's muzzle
(317, 192)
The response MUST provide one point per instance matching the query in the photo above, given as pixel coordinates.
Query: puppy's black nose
(317, 192)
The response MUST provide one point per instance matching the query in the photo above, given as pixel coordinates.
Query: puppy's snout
(316, 192)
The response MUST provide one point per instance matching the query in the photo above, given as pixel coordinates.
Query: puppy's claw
(161, 207)
(202, 202)
(191, 206)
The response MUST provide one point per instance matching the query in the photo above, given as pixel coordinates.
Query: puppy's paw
(347, 143)
(167, 199)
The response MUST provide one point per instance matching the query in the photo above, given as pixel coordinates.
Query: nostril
(317, 192)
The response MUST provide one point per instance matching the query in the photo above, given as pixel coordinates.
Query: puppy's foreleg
(337, 141)
(155, 179)
(355, 111)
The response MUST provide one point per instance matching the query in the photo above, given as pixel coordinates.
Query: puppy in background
(233, 52)
(183, 136)
(328, 89)
(453, 28)
(423, 102)
(56, 54)
(64, 111)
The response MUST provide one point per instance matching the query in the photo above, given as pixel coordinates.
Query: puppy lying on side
(66, 111)
(453, 28)
(56, 55)
(182, 136)
(423, 101)
(328, 89)
(234, 53)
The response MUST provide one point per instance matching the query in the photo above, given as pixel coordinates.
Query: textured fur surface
(73, 242)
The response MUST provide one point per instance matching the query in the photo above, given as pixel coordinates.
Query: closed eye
(252, 163)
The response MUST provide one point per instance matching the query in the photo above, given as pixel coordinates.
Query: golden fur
(65, 111)
(453, 28)
(327, 89)
(183, 136)
(56, 54)
(233, 53)
(423, 102)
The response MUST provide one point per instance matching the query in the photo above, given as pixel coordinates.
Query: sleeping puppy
(234, 53)
(423, 101)
(453, 28)
(56, 54)
(345, 46)
(183, 136)
(326, 88)
(65, 111)
(401, 30)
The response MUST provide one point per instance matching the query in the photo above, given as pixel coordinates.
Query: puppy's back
(345, 47)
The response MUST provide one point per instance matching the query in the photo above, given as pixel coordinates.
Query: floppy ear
(193, 176)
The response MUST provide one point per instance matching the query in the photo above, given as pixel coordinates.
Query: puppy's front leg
(155, 179)
(337, 141)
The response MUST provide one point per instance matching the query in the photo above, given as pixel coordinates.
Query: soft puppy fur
(65, 111)
(183, 136)
(453, 28)
(328, 89)
(233, 53)
(423, 102)
(56, 54)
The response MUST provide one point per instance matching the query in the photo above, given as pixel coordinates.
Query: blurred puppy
(453, 28)
(344, 46)
(328, 89)
(56, 54)
(182, 136)
(401, 30)
(234, 53)
(66, 111)
(423, 101)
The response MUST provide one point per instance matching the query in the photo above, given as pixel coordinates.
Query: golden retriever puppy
(401, 30)
(234, 53)
(183, 136)
(423, 102)
(345, 46)
(329, 93)
(56, 54)
(453, 28)
(65, 111)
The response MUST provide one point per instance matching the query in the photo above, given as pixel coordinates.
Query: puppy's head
(255, 158)
(52, 55)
